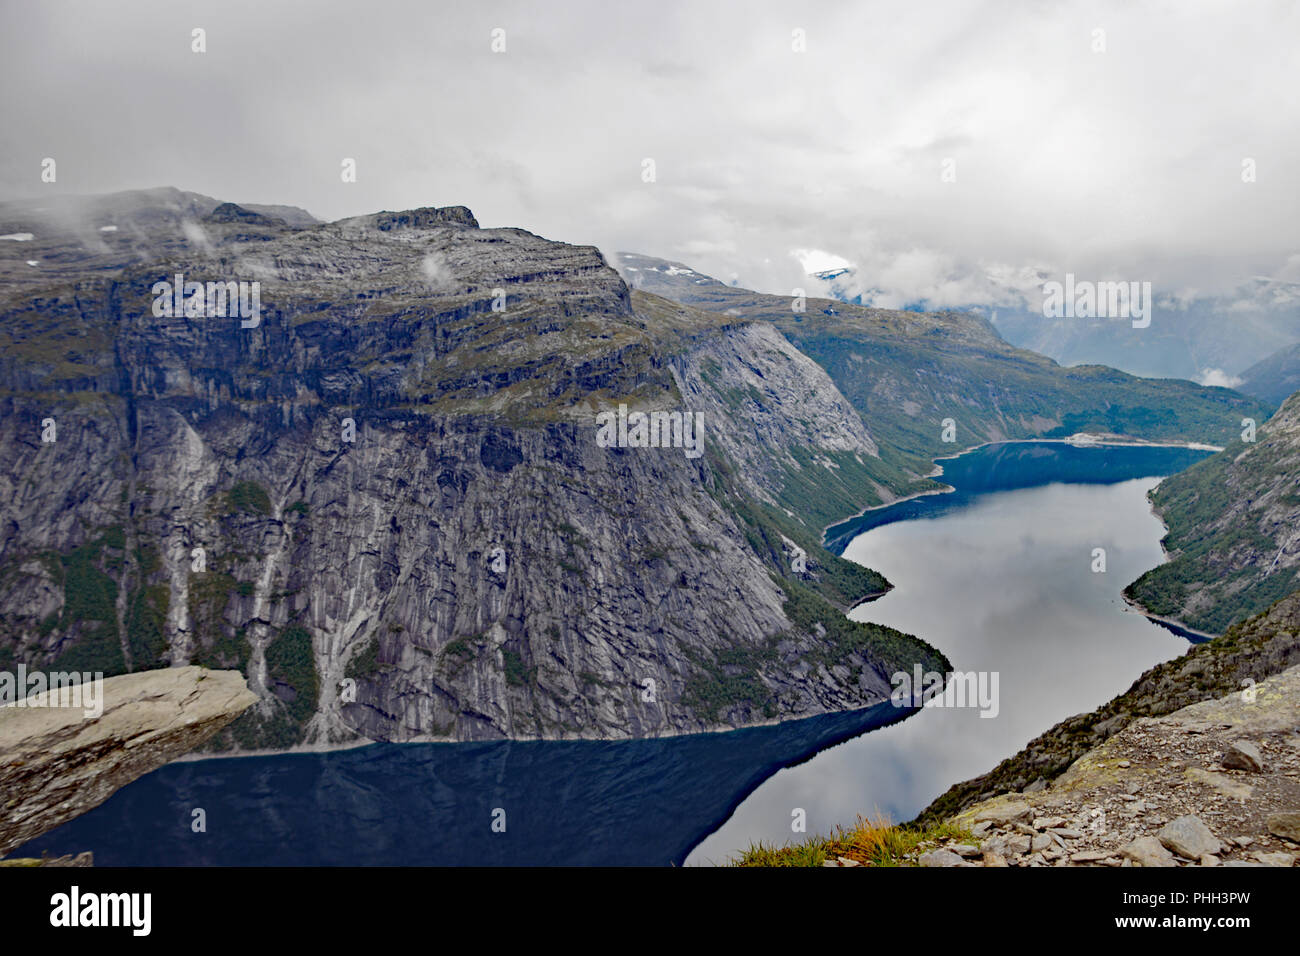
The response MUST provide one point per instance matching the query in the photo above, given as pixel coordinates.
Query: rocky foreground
(1216, 783)
(56, 763)
(1247, 653)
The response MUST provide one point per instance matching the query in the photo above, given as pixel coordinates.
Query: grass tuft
(870, 840)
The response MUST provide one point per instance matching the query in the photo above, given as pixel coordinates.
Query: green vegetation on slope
(292, 676)
(290, 662)
(1229, 518)
(892, 650)
(146, 614)
(248, 497)
(90, 605)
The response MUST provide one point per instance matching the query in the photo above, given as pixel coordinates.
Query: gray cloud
(1122, 163)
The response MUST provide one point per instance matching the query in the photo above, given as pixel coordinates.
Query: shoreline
(1079, 440)
(1172, 622)
(192, 756)
(309, 749)
(1139, 607)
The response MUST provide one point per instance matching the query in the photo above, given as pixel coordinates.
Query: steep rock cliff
(382, 496)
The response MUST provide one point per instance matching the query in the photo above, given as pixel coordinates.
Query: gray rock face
(1189, 837)
(385, 501)
(56, 762)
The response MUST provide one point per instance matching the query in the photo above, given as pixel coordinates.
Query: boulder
(940, 858)
(1285, 825)
(1243, 755)
(1189, 837)
(1003, 812)
(1148, 851)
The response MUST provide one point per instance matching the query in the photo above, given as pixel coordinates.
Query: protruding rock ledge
(56, 763)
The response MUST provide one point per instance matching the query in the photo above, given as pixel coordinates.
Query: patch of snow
(814, 261)
(674, 271)
(32, 262)
(19, 236)
(108, 228)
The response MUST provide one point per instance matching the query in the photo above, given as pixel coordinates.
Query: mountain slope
(1234, 530)
(1275, 378)
(906, 372)
(384, 499)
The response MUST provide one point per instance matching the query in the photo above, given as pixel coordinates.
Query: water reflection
(641, 802)
(1000, 581)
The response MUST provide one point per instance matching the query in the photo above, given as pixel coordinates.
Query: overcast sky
(1125, 163)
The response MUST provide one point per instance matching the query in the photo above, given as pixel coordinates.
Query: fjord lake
(1000, 574)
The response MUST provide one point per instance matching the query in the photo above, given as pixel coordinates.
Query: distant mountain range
(1206, 339)
(906, 372)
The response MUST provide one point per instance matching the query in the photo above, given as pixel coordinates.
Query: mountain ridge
(908, 372)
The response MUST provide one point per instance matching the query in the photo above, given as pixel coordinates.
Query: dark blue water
(1012, 465)
(1060, 635)
(643, 802)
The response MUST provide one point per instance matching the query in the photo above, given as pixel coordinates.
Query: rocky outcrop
(82, 859)
(56, 762)
(233, 212)
(1165, 791)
